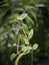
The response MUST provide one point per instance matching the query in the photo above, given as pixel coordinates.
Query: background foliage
(11, 11)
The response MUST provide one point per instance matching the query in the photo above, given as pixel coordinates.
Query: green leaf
(4, 5)
(13, 55)
(19, 9)
(29, 7)
(26, 28)
(35, 46)
(26, 41)
(33, 14)
(22, 16)
(28, 18)
(30, 35)
(13, 18)
(23, 48)
(6, 31)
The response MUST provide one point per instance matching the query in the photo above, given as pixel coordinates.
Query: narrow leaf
(22, 16)
(6, 31)
(13, 18)
(33, 14)
(28, 18)
(30, 35)
(29, 7)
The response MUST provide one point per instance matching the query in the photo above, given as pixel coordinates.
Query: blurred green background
(41, 34)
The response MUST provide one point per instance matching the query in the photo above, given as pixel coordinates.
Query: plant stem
(18, 43)
(18, 58)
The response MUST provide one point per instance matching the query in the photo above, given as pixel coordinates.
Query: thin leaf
(6, 31)
(33, 14)
(4, 5)
(30, 35)
(13, 18)
(28, 18)
(19, 9)
(22, 16)
(29, 7)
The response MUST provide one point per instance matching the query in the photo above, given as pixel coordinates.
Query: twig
(18, 43)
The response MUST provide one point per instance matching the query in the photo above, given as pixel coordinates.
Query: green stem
(18, 58)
